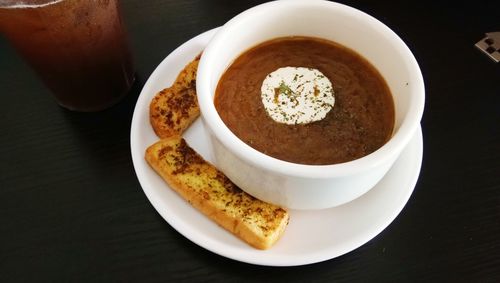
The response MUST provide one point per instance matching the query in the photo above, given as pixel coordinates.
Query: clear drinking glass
(78, 48)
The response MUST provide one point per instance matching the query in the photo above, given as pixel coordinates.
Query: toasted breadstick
(258, 223)
(173, 109)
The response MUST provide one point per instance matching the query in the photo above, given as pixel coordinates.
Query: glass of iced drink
(77, 47)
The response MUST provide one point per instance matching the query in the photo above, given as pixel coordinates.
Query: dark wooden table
(71, 208)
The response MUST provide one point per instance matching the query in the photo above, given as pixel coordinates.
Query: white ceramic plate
(312, 236)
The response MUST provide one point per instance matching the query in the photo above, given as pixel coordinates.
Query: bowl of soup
(308, 103)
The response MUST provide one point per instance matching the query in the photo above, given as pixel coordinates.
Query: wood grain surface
(71, 208)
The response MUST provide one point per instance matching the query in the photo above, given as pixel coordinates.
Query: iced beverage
(77, 47)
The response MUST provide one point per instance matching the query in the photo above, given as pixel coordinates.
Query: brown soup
(360, 122)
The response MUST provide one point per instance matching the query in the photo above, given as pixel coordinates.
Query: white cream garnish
(297, 95)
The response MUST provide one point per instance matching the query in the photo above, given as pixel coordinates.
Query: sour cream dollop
(297, 95)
